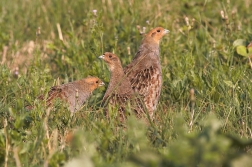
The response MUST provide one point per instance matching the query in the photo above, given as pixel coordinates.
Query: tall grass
(208, 127)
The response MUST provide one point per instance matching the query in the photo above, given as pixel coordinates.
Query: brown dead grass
(22, 58)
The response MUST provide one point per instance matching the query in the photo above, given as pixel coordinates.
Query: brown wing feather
(55, 92)
(145, 75)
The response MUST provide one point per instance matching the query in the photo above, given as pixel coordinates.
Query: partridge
(119, 92)
(144, 72)
(73, 93)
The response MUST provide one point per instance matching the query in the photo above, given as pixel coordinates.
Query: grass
(211, 127)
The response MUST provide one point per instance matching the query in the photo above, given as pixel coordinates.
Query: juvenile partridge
(119, 91)
(144, 72)
(73, 93)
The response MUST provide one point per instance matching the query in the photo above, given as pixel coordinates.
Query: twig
(46, 127)
(16, 157)
(38, 32)
(250, 133)
(47, 133)
(5, 48)
(192, 105)
(52, 140)
(7, 146)
(250, 63)
(60, 32)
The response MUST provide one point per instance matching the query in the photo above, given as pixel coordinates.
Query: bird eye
(97, 82)
(158, 30)
(110, 56)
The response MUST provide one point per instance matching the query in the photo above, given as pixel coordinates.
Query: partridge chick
(144, 72)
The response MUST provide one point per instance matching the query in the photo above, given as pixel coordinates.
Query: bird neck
(116, 76)
(151, 40)
(119, 83)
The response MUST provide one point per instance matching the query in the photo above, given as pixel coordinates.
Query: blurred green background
(43, 43)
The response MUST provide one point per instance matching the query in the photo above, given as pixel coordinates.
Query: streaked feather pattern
(144, 72)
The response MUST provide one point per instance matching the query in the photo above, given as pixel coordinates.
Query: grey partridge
(73, 93)
(119, 92)
(144, 72)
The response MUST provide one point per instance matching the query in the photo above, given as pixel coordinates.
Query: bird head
(111, 59)
(157, 33)
(94, 82)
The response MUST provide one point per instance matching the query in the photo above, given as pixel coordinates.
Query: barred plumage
(144, 72)
(119, 92)
(73, 93)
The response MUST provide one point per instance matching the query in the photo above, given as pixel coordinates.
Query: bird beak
(101, 57)
(102, 84)
(166, 31)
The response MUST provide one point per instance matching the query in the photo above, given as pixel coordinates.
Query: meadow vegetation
(204, 114)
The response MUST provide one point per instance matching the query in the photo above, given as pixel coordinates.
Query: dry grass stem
(59, 32)
(5, 49)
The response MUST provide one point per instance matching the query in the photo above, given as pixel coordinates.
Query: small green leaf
(239, 42)
(241, 50)
(229, 83)
(51, 46)
(68, 60)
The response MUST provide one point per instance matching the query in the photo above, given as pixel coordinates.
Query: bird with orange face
(73, 93)
(119, 92)
(144, 72)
